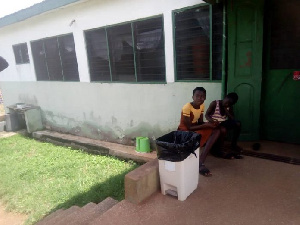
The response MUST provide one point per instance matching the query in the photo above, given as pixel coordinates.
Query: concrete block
(142, 182)
(2, 126)
(33, 120)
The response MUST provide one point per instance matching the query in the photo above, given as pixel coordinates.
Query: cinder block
(2, 126)
(142, 182)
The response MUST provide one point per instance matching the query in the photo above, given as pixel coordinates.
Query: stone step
(60, 216)
(78, 216)
(97, 219)
(87, 214)
(49, 217)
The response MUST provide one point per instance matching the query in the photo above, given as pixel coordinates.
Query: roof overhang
(213, 1)
(37, 9)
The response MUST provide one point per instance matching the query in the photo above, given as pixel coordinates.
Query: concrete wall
(108, 111)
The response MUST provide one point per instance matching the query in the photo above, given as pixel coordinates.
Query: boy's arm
(229, 112)
(210, 111)
(191, 127)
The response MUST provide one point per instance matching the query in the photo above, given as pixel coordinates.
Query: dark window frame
(21, 53)
(215, 42)
(55, 58)
(136, 57)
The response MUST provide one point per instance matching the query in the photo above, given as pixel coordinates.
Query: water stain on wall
(93, 128)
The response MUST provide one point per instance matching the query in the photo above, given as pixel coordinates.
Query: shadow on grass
(113, 187)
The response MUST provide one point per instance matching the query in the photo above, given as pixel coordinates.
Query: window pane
(68, 58)
(150, 54)
(217, 41)
(21, 53)
(285, 35)
(121, 53)
(18, 54)
(53, 59)
(39, 59)
(24, 51)
(98, 55)
(192, 44)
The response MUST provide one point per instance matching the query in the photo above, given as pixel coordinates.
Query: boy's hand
(216, 122)
(210, 125)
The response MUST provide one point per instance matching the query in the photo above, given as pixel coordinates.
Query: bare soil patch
(9, 218)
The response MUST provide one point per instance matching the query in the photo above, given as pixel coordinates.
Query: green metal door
(245, 43)
(280, 96)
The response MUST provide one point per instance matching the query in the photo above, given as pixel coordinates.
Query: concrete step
(49, 217)
(78, 216)
(70, 217)
(97, 218)
(60, 216)
(88, 213)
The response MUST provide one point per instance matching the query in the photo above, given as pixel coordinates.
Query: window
(198, 43)
(55, 58)
(21, 53)
(131, 52)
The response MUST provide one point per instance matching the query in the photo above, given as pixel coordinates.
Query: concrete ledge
(94, 146)
(142, 182)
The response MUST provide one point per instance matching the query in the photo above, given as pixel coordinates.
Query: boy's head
(230, 99)
(199, 95)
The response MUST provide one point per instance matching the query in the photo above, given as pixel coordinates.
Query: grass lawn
(38, 178)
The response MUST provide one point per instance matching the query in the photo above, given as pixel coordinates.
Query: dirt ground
(8, 218)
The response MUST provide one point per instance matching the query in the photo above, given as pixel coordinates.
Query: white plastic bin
(180, 177)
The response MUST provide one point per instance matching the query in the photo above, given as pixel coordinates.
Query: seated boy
(192, 120)
(220, 112)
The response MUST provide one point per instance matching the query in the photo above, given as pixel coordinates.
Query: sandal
(204, 171)
(226, 155)
(237, 149)
(238, 156)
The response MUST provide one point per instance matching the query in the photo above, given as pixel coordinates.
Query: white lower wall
(112, 112)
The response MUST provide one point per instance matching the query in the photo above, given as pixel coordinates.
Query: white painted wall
(118, 110)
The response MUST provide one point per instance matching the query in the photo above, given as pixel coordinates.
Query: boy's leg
(210, 142)
(219, 149)
(235, 126)
(236, 135)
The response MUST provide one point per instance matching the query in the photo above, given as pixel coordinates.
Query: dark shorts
(230, 124)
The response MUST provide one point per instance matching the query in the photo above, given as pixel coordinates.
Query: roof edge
(34, 10)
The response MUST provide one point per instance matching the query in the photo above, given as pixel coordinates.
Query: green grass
(38, 178)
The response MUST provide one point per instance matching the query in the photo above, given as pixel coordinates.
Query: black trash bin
(177, 145)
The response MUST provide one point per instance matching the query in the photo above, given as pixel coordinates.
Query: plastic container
(179, 178)
(142, 144)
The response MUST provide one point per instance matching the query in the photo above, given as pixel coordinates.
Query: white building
(112, 70)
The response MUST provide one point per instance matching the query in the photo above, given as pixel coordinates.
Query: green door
(245, 43)
(281, 93)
